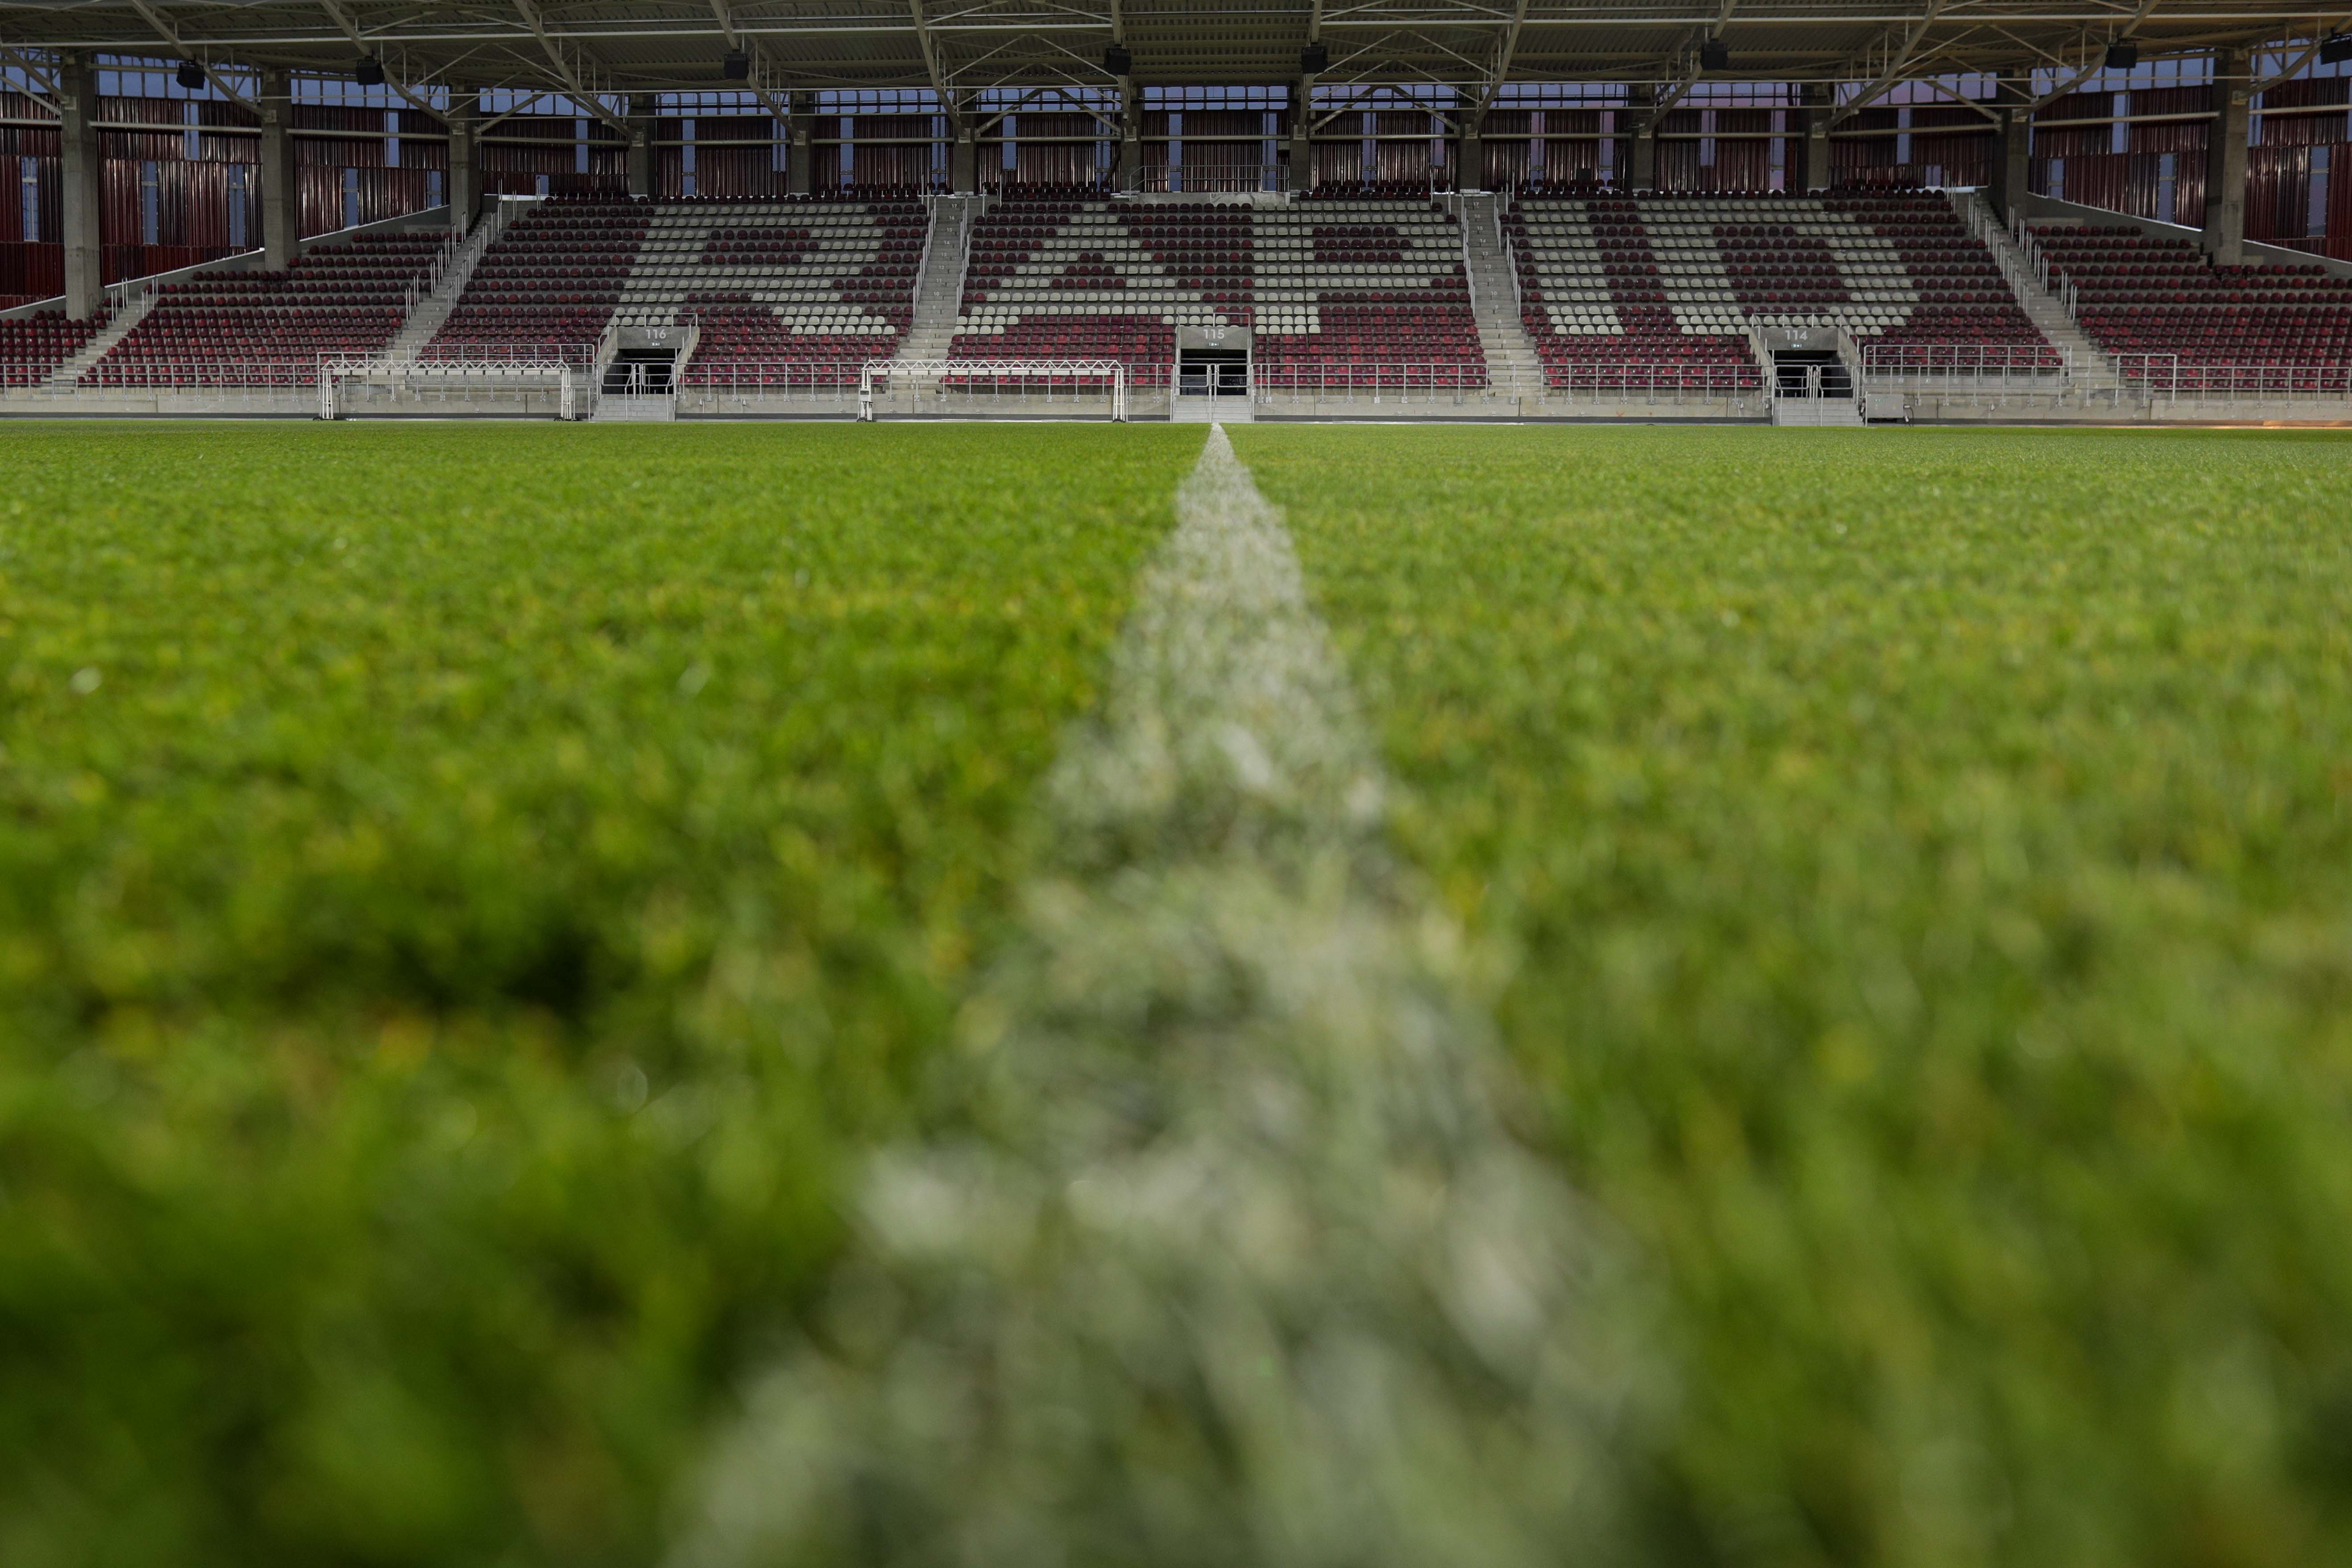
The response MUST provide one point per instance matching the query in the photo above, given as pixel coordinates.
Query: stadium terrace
(1150, 211)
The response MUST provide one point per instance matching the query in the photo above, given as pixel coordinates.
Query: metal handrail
(1923, 359)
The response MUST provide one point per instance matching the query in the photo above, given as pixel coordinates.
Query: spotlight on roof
(1118, 61)
(2122, 56)
(736, 66)
(191, 76)
(369, 72)
(1314, 61)
(2335, 50)
(1714, 55)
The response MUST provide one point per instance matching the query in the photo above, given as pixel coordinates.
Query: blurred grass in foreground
(462, 891)
(1925, 858)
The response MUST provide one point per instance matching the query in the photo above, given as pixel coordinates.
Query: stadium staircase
(432, 313)
(2093, 370)
(940, 286)
(125, 321)
(1512, 363)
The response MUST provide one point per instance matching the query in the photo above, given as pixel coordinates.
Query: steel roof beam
(582, 93)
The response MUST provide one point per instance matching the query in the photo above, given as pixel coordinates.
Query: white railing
(1980, 361)
(773, 378)
(1029, 380)
(1379, 382)
(110, 375)
(2161, 377)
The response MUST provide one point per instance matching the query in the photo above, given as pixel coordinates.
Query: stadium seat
(1678, 281)
(1351, 289)
(269, 328)
(2144, 294)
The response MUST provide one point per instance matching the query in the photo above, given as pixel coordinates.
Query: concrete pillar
(463, 184)
(281, 209)
(2225, 159)
(1302, 134)
(1642, 164)
(1130, 134)
(1472, 174)
(641, 143)
(800, 155)
(963, 159)
(2012, 165)
(1813, 120)
(78, 100)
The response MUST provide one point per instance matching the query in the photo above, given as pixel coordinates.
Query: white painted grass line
(1234, 1261)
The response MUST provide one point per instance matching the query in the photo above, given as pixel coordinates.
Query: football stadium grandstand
(2083, 220)
(1149, 783)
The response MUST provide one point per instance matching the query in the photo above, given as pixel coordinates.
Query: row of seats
(1346, 279)
(1612, 279)
(799, 283)
(808, 280)
(2146, 294)
(551, 281)
(272, 326)
(33, 347)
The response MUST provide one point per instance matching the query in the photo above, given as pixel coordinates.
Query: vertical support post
(77, 101)
(281, 212)
(1302, 134)
(800, 156)
(2225, 159)
(2012, 170)
(641, 144)
(1130, 134)
(1642, 171)
(1472, 174)
(963, 159)
(465, 164)
(1814, 118)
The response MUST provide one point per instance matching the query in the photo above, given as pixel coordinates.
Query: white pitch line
(1233, 1261)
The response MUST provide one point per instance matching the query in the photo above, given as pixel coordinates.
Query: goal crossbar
(564, 371)
(1109, 370)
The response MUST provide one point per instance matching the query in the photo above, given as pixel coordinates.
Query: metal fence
(1975, 362)
(2163, 378)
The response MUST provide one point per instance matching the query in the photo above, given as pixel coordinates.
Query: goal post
(478, 379)
(1070, 373)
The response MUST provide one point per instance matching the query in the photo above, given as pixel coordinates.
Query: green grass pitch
(467, 896)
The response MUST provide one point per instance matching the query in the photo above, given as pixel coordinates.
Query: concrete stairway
(2094, 371)
(1512, 363)
(71, 372)
(939, 292)
(432, 313)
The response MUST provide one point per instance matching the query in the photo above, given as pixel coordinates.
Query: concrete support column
(78, 100)
(963, 159)
(1813, 118)
(1130, 134)
(463, 184)
(2225, 159)
(1472, 174)
(1302, 134)
(641, 144)
(800, 154)
(2013, 168)
(281, 211)
(1642, 163)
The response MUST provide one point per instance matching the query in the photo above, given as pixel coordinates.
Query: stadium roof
(587, 47)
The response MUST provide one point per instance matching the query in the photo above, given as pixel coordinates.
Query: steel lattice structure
(592, 48)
